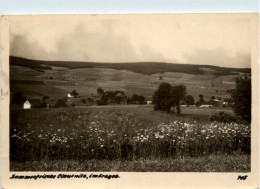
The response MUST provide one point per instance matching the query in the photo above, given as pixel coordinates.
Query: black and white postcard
(130, 100)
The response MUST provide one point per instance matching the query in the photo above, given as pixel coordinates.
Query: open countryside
(102, 118)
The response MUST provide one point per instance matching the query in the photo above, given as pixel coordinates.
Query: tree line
(118, 97)
(166, 98)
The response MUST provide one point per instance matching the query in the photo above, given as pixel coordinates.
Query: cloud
(218, 57)
(82, 45)
(20, 46)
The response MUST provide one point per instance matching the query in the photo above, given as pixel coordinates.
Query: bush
(61, 103)
(222, 117)
(197, 104)
(242, 97)
(189, 100)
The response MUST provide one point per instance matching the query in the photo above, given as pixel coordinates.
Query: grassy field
(126, 139)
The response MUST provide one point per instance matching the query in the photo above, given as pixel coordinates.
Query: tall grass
(129, 134)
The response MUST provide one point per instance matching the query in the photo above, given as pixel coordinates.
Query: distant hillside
(35, 64)
(146, 68)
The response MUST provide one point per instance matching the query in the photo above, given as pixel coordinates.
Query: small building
(206, 105)
(70, 96)
(27, 105)
(149, 102)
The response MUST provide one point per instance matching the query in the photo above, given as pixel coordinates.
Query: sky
(209, 39)
(125, 6)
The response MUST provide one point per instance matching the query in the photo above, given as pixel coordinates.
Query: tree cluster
(136, 99)
(167, 97)
(111, 97)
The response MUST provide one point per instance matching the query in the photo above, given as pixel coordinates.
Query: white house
(206, 106)
(149, 102)
(69, 95)
(27, 105)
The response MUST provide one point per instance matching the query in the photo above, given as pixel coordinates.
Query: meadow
(125, 139)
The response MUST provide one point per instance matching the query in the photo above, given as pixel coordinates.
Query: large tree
(167, 96)
(178, 94)
(242, 97)
(162, 97)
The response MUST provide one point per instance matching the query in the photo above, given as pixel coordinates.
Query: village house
(27, 105)
(206, 105)
(32, 103)
(149, 102)
(70, 96)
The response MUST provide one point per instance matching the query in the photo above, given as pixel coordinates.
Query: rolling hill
(146, 68)
(53, 78)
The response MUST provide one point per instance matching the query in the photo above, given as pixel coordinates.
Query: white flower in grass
(161, 136)
(186, 124)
